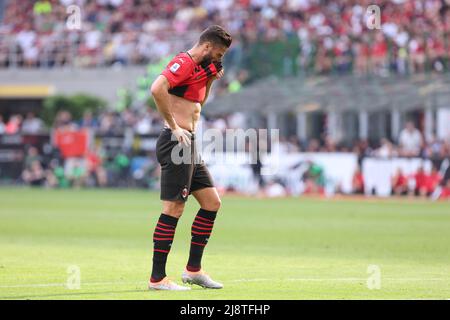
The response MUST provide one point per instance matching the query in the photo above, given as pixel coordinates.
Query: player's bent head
(214, 42)
(216, 36)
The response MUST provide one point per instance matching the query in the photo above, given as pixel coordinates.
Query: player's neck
(195, 56)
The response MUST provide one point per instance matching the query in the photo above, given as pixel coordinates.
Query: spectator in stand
(361, 52)
(329, 145)
(4, 54)
(418, 57)
(313, 145)
(358, 182)
(63, 119)
(14, 124)
(90, 48)
(2, 125)
(421, 188)
(435, 150)
(410, 141)
(32, 124)
(386, 149)
(274, 189)
(294, 144)
(436, 49)
(399, 183)
(379, 54)
(42, 7)
(89, 121)
(94, 167)
(75, 172)
(32, 156)
(144, 124)
(27, 40)
(362, 149)
(314, 179)
(33, 173)
(446, 177)
(445, 193)
(432, 180)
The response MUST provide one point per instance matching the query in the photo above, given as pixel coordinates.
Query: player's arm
(208, 88)
(160, 93)
(209, 84)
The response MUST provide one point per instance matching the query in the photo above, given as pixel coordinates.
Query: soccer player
(179, 93)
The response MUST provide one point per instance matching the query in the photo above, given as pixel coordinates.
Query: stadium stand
(415, 34)
(308, 39)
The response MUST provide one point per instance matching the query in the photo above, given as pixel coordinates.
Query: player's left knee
(213, 205)
(217, 204)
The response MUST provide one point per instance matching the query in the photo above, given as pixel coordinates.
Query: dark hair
(216, 35)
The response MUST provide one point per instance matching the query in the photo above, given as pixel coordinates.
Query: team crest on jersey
(184, 192)
(174, 67)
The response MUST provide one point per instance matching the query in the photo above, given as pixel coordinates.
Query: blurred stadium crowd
(330, 38)
(124, 168)
(415, 34)
(411, 142)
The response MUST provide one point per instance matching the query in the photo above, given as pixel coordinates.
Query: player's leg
(203, 190)
(174, 182)
(209, 201)
(162, 241)
(163, 237)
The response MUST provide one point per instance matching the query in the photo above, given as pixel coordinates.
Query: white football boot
(201, 279)
(166, 284)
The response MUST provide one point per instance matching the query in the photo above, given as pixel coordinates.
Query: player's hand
(218, 75)
(183, 136)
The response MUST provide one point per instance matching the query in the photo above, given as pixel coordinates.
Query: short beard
(206, 61)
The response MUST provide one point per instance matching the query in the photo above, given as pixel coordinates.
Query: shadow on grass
(75, 294)
(81, 294)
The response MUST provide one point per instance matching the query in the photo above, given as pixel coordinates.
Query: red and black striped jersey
(188, 79)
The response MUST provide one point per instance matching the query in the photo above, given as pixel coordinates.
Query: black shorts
(182, 170)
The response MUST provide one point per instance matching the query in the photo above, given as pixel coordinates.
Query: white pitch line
(337, 279)
(365, 279)
(252, 280)
(38, 285)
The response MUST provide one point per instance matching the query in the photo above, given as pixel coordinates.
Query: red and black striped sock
(201, 230)
(162, 241)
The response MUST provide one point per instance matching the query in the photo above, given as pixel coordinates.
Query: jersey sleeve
(215, 68)
(218, 66)
(178, 70)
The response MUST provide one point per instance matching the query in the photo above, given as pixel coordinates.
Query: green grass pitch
(260, 248)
